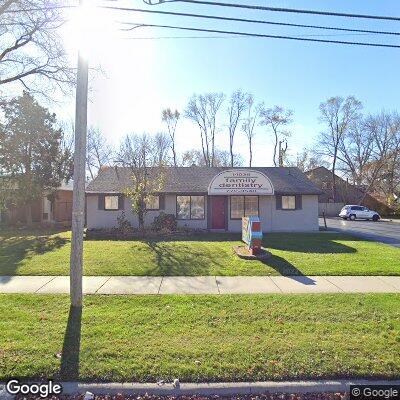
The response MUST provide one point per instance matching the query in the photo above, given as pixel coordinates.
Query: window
(197, 207)
(244, 206)
(288, 202)
(250, 206)
(111, 202)
(152, 203)
(190, 207)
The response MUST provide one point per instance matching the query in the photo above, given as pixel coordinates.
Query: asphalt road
(381, 231)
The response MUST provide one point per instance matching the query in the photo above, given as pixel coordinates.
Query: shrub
(164, 223)
(124, 226)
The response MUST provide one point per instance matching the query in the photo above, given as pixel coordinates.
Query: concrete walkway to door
(203, 284)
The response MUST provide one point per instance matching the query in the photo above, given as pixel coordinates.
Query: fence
(330, 209)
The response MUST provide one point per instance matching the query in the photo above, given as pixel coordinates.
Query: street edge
(219, 388)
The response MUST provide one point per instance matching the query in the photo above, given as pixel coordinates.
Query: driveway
(382, 231)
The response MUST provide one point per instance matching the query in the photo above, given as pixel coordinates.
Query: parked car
(358, 212)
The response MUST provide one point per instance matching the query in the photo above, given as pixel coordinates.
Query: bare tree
(222, 158)
(203, 110)
(307, 160)
(237, 106)
(161, 145)
(171, 118)
(250, 122)
(355, 151)
(339, 116)
(6, 5)
(137, 153)
(276, 118)
(99, 151)
(383, 168)
(31, 51)
(282, 152)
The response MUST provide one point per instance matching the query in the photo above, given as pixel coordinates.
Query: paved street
(203, 284)
(382, 231)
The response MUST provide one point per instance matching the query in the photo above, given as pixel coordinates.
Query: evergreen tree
(31, 152)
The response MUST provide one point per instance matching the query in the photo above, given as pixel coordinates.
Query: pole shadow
(69, 369)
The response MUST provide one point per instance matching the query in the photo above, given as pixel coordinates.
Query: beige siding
(272, 220)
(303, 220)
(108, 219)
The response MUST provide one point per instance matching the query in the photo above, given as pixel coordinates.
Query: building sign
(252, 234)
(240, 181)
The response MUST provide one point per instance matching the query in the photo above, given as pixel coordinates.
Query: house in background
(211, 198)
(346, 193)
(54, 208)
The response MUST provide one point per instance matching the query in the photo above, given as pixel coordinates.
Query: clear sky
(141, 77)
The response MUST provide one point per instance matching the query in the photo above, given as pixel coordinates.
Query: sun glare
(90, 30)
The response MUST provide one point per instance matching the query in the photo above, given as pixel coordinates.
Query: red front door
(218, 212)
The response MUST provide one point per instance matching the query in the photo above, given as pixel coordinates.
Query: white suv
(358, 212)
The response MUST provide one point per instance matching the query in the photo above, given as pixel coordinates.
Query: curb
(220, 389)
(394, 220)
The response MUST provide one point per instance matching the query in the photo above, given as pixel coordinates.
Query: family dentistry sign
(237, 181)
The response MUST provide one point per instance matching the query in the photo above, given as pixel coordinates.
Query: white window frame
(245, 213)
(111, 198)
(190, 218)
(286, 203)
(152, 208)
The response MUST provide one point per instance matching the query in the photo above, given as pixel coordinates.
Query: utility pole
(78, 204)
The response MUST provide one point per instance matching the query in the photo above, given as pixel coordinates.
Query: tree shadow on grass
(319, 243)
(302, 243)
(69, 369)
(186, 261)
(15, 249)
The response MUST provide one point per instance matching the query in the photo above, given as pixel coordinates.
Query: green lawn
(197, 338)
(35, 253)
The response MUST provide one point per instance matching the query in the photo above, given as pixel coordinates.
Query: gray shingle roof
(286, 180)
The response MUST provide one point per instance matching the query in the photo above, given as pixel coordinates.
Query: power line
(225, 36)
(278, 9)
(179, 37)
(214, 17)
(260, 35)
(222, 36)
(256, 21)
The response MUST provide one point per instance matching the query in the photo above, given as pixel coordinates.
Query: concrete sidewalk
(203, 284)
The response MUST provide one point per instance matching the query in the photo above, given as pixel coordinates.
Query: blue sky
(143, 76)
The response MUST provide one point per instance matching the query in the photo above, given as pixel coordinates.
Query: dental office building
(211, 198)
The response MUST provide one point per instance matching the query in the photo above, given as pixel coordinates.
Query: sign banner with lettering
(237, 181)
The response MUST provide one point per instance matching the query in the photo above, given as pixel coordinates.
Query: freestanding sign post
(252, 234)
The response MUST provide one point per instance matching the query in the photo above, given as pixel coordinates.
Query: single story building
(51, 208)
(345, 193)
(213, 198)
